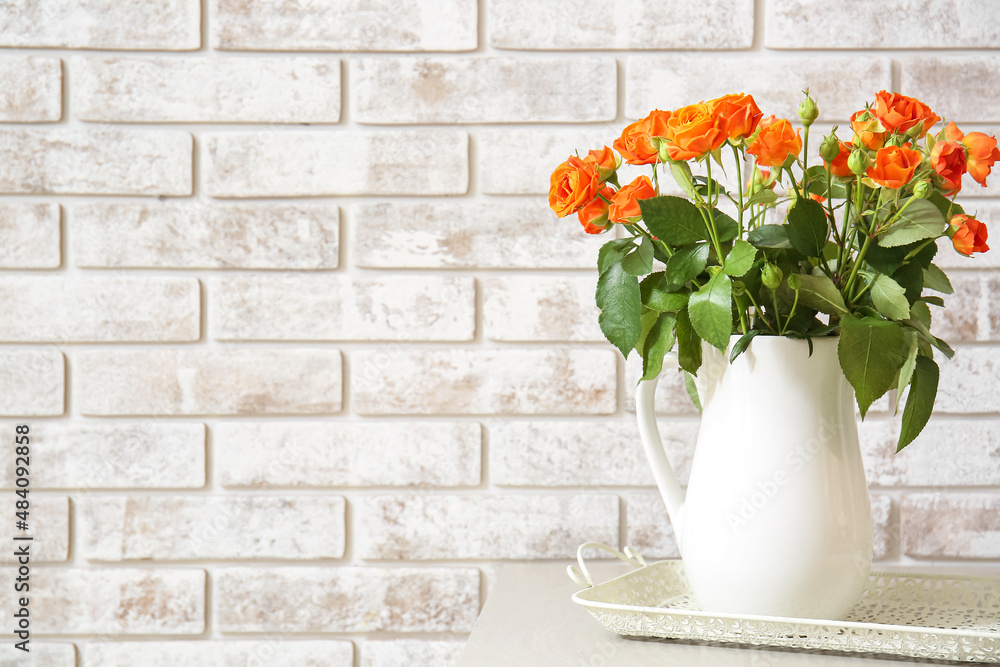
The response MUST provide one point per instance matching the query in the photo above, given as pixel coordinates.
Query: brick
(960, 88)
(954, 525)
(422, 527)
(668, 82)
(95, 455)
(483, 90)
(948, 452)
(647, 24)
(558, 453)
(671, 394)
(647, 526)
(326, 454)
(394, 652)
(160, 25)
(541, 308)
(29, 235)
(205, 236)
(968, 382)
(374, 25)
(503, 235)
(898, 24)
(48, 521)
(256, 164)
(206, 90)
(294, 306)
(125, 528)
(276, 651)
(210, 381)
(112, 309)
(986, 211)
(966, 315)
(527, 381)
(520, 161)
(32, 91)
(885, 527)
(96, 162)
(32, 382)
(346, 599)
(649, 531)
(121, 601)
(42, 655)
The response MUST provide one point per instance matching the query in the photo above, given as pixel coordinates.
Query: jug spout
(663, 473)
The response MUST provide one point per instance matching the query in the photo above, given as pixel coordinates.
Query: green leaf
(740, 346)
(740, 258)
(889, 298)
(647, 320)
(770, 236)
(886, 260)
(612, 252)
(764, 197)
(920, 403)
(658, 343)
(906, 372)
(692, 390)
(674, 220)
(807, 227)
(687, 263)
(819, 293)
(871, 352)
(639, 262)
(921, 220)
(935, 279)
(620, 303)
(688, 343)
(711, 311)
(727, 228)
(681, 172)
(947, 207)
(933, 301)
(911, 278)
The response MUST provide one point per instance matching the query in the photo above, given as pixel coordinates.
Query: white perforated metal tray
(917, 616)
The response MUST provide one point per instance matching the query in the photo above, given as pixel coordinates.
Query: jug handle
(649, 432)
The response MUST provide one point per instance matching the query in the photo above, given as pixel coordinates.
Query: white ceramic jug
(776, 520)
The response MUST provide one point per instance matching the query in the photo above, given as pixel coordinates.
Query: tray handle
(581, 575)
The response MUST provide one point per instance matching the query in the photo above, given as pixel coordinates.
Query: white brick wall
(304, 350)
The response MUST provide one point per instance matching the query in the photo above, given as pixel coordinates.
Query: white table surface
(530, 621)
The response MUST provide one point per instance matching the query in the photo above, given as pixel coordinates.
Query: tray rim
(978, 634)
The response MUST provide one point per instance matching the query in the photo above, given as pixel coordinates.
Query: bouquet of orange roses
(844, 246)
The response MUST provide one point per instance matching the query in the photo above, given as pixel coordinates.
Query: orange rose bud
(695, 131)
(604, 161)
(948, 160)
(983, 153)
(968, 235)
(740, 113)
(625, 204)
(636, 143)
(839, 166)
(775, 143)
(902, 114)
(868, 131)
(573, 185)
(594, 216)
(952, 132)
(894, 166)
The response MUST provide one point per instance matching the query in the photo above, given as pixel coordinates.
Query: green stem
(777, 313)
(895, 217)
(710, 220)
(743, 315)
(857, 265)
(805, 150)
(791, 313)
(759, 311)
(739, 183)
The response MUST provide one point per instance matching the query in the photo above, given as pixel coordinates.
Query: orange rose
(894, 166)
(968, 235)
(775, 143)
(839, 166)
(948, 160)
(983, 153)
(952, 132)
(604, 161)
(594, 216)
(573, 185)
(695, 131)
(636, 143)
(868, 131)
(625, 204)
(740, 113)
(900, 113)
